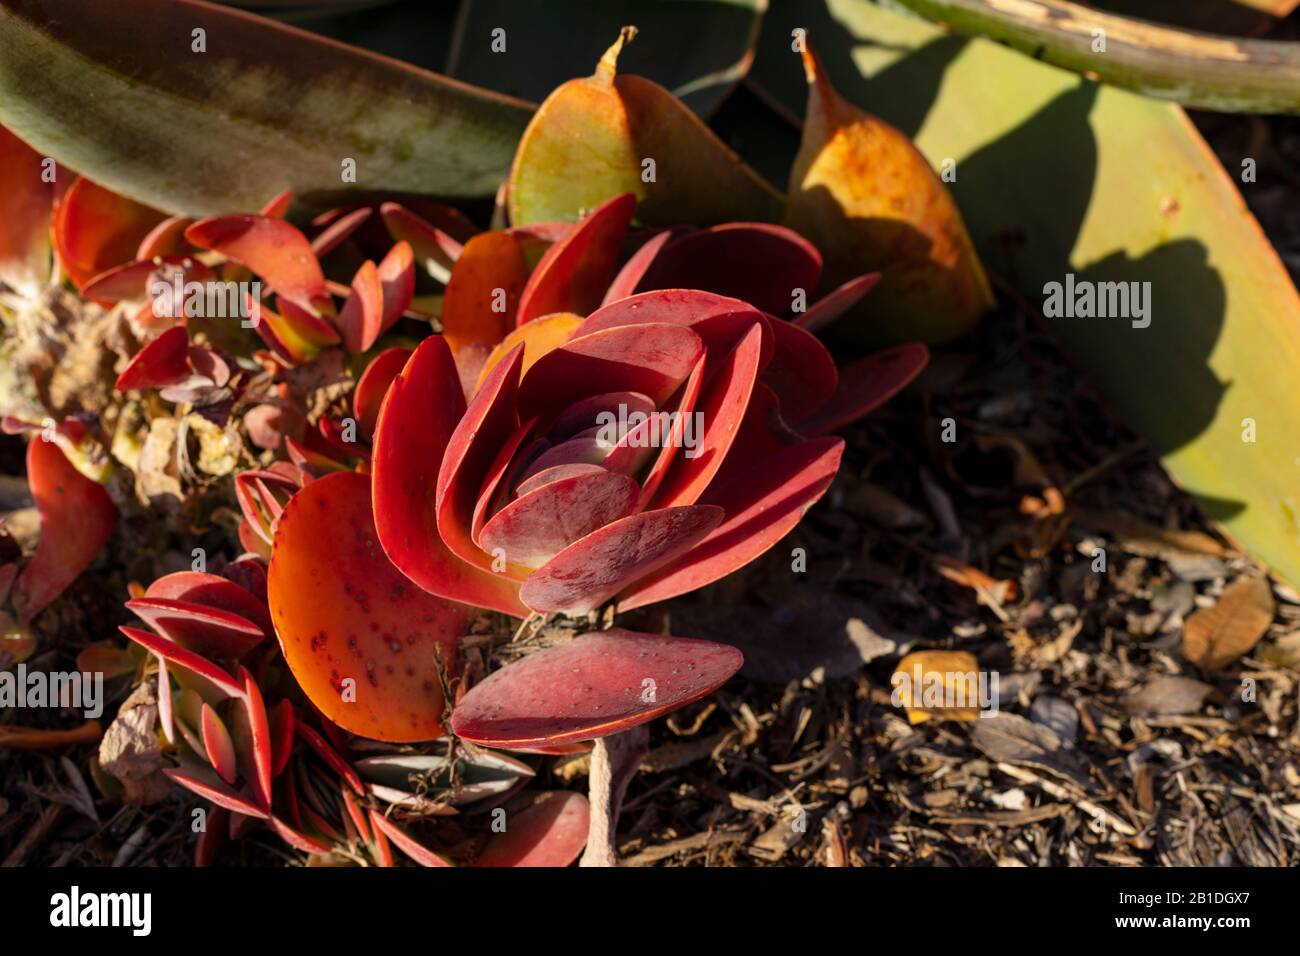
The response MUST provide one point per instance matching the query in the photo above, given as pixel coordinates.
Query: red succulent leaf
(434, 250)
(629, 277)
(294, 334)
(836, 302)
(212, 836)
(802, 372)
(212, 590)
(283, 722)
(406, 843)
(574, 273)
(209, 631)
(164, 361)
(550, 832)
(585, 413)
(653, 359)
(595, 685)
(297, 839)
(423, 407)
(595, 568)
(77, 519)
(361, 319)
(26, 198)
(218, 745)
(758, 263)
(868, 384)
(260, 729)
(331, 756)
(96, 229)
(279, 206)
(397, 277)
(540, 524)
(766, 484)
(502, 475)
(329, 239)
(186, 659)
(343, 612)
(208, 785)
(482, 296)
(165, 716)
(165, 239)
(373, 385)
(134, 280)
(272, 248)
(719, 321)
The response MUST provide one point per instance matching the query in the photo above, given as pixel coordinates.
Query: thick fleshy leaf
(77, 519)
(26, 198)
(870, 201)
(423, 407)
(588, 142)
(720, 409)
(802, 372)
(95, 229)
(554, 473)
(598, 684)
(422, 133)
(364, 644)
(652, 359)
(282, 733)
(322, 748)
(502, 476)
(167, 238)
(211, 590)
(134, 280)
(866, 385)
(718, 320)
(407, 843)
(208, 785)
(209, 631)
(538, 337)
(164, 361)
(397, 278)
(765, 487)
(259, 728)
(372, 387)
(362, 316)
(595, 568)
(836, 303)
(432, 249)
(276, 251)
(297, 839)
(294, 334)
(178, 656)
(586, 412)
(337, 232)
(574, 273)
(538, 525)
(550, 832)
(627, 279)
(482, 296)
(764, 265)
(218, 746)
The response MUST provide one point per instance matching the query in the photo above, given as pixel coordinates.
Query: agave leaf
(1026, 138)
(345, 614)
(77, 519)
(408, 130)
(595, 685)
(549, 832)
(698, 49)
(589, 141)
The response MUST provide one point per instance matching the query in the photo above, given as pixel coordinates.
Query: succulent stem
(614, 760)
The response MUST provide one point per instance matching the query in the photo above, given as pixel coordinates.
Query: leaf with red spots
(423, 407)
(595, 685)
(275, 250)
(77, 519)
(595, 568)
(574, 273)
(344, 613)
(361, 319)
(164, 361)
(550, 832)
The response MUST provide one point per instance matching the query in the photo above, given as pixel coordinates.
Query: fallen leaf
(937, 684)
(1215, 637)
(1168, 695)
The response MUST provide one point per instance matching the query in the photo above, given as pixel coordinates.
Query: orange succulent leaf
(587, 143)
(95, 229)
(482, 296)
(272, 248)
(364, 643)
(869, 200)
(26, 198)
(551, 831)
(77, 519)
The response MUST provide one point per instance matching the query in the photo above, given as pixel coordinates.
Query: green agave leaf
(1054, 177)
(127, 101)
(697, 49)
